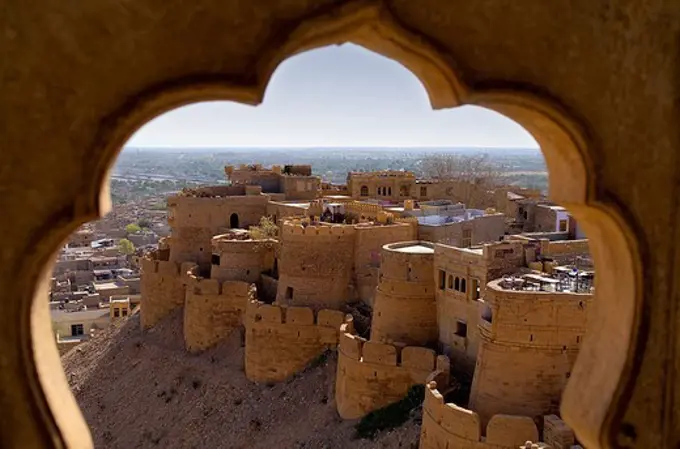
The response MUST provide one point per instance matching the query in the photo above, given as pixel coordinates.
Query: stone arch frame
(592, 400)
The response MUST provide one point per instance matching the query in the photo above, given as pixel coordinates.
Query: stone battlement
(259, 312)
(150, 264)
(296, 228)
(372, 375)
(448, 425)
(282, 341)
(397, 355)
(359, 208)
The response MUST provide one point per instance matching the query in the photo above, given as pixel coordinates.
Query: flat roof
(415, 249)
(108, 285)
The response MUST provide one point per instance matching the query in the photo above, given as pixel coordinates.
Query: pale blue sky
(333, 97)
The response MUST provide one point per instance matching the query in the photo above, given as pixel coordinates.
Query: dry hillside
(142, 390)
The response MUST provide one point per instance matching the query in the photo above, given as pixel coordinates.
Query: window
(77, 329)
(215, 259)
(450, 281)
(462, 285)
(125, 312)
(423, 191)
(389, 191)
(364, 191)
(563, 225)
(467, 238)
(475, 288)
(442, 279)
(456, 284)
(289, 292)
(116, 312)
(461, 329)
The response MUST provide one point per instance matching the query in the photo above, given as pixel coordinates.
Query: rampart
(447, 425)
(405, 309)
(163, 286)
(240, 260)
(213, 310)
(564, 248)
(363, 210)
(368, 244)
(282, 341)
(315, 265)
(372, 375)
(529, 341)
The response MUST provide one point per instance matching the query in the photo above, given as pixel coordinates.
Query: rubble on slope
(140, 389)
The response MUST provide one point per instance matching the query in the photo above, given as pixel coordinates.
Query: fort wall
(162, 286)
(298, 187)
(529, 341)
(213, 310)
(367, 247)
(447, 425)
(282, 341)
(372, 375)
(195, 220)
(405, 309)
(240, 260)
(279, 210)
(315, 265)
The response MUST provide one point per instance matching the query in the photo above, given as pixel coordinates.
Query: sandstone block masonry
(405, 309)
(529, 341)
(372, 375)
(315, 265)
(213, 310)
(282, 341)
(447, 425)
(162, 286)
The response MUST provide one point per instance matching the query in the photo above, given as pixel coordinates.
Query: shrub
(390, 416)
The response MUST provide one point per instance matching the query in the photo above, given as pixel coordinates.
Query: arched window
(456, 284)
(364, 191)
(462, 285)
(389, 191)
(450, 281)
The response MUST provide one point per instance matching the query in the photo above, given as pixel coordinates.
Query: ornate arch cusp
(595, 390)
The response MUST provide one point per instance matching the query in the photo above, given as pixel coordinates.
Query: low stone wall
(213, 310)
(162, 286)
(372, 375)
(282, 341)
(447, 426)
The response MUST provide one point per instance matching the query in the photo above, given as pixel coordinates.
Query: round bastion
(405, 308)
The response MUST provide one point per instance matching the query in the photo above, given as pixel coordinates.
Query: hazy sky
(335, 96)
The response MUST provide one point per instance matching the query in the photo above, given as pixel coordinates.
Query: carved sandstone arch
(595, 391)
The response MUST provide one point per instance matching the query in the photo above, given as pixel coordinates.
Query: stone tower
(405, 309)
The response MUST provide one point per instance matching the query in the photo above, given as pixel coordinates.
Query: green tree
(144, 223)
(133, 228)
(126, 247)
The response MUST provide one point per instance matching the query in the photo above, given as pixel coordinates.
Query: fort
(469, 307)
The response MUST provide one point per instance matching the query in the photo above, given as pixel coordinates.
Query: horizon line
(304, 147)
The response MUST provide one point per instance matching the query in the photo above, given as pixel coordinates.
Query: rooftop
(415, 247)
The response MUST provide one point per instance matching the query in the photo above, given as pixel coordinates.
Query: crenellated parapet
(162, 287)
(213, 310)
(282, 341)
(447, 425)
(241, 260)
(315, 265)
(372, 375)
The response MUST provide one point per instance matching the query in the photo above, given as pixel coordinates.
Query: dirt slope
(142, 390)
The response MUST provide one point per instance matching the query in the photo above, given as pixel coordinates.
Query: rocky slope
(140, 389)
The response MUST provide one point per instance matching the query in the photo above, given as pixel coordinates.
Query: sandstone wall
(448, 426)
(405, 309)
(163, 286)
(368, 244)
(241, 260)
(213, 310)
(269, 180)
(528, 344)
(564, 248)
(315, 265)
(195, 220)
(282, 341)
(372, 375)
(301, 187)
